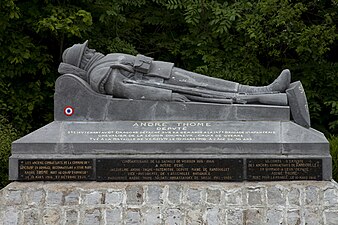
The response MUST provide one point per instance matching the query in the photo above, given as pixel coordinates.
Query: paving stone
(11, 216)
(275, 217)
(72, 198)
(213, 196)
(234, 197)
(134, 195)
(133, 217)
(235, 216)
(256, 196)
(154, 194)
(14, 197)
(275, 196)
(51, 216)
(194, 196)
(114, 216)
(92, 217)
(35, 197)
(313, 216)
(93, 198)
(331, 217)
(114, 197)
(330, 197)
(254, 216)
(175, 194)
(194, 217)
(2, 212)
(31, 217)
(311, 195)
(293, 217)
(293, 197)
(72, 217)
(54, 198)
(214, 216)
(152, 216)
(174, 217)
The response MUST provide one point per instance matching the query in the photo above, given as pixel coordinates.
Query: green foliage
(7, 135)
(334, 153)
(69, 21)
(31, 37)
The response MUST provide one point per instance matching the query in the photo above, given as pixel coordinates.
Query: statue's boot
(279, 85)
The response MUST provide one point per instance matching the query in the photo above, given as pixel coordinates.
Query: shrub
(334, 153)
(7, 135)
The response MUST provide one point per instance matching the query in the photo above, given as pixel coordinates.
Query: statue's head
(78, 59)
(73, 55)
(79, 55)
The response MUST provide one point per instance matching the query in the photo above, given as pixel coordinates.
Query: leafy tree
(31, 33)
(334, 154)
(246, 41)
(7, 135)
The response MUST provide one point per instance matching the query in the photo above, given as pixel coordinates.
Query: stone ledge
(296, 202)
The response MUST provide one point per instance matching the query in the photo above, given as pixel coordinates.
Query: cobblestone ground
(170, 203)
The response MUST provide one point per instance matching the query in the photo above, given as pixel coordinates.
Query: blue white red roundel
(68, 110)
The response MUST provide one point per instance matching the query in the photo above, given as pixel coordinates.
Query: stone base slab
(209, 203)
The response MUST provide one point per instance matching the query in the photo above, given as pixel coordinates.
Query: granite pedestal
(98, 137)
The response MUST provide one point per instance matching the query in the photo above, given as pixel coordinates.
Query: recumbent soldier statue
(142, 78)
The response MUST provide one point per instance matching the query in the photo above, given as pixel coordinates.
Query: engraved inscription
(56, 169)
(284, 169)
(169, 169)
(173, 132)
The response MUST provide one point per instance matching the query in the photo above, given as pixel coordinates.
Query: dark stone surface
(168, 169)
(55, 169)
(284, 169)
(106, 130)
(172, 139)
(76, 93)
(169, 137)
(298, 104)
(182, 167)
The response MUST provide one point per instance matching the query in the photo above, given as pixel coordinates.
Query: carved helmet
(74, 54)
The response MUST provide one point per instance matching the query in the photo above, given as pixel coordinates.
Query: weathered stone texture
(114, 216)
(72, 198)
(134, 194)
(214, 196)
(31, 217)
(93, 198)
(51, 216)
(114, 197)
(193, 196)
(256, 196)
(71, 217)
(133, 217)
(54, 198)
(175, 194)
(174, 217)
(152, 216)
(170, 203)
(154, 194)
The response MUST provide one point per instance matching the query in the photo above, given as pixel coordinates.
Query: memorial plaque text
(169, 169)
(56, 169)
(284, 169)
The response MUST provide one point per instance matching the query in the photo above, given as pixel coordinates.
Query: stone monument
(120, 119)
